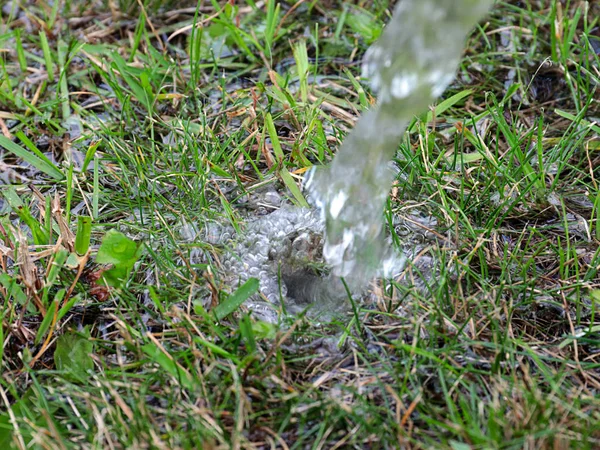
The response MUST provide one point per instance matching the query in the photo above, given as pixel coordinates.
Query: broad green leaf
(365, 24)
(72, 261)
(73, 355)
(120, 251)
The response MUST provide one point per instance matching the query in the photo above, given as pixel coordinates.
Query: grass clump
(132, 133)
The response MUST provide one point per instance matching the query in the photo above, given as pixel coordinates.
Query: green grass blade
(235, 300)
(45, 325)
(168, 364)
(43, 165)
(47, 55)
(287, 179)
(84, 233)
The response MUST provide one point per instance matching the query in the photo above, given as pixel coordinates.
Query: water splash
(409, 67)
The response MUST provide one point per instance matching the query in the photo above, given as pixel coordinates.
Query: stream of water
(412, 63)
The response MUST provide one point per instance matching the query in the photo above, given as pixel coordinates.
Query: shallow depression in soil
(284, 251)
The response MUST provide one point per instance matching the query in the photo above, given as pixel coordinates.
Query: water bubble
(272, 198)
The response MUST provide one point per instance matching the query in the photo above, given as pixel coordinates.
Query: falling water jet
(409, 67)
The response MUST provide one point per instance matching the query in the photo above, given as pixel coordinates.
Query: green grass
(126, 130)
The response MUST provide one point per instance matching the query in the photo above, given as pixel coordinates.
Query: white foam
(404, 85)
(337, 204)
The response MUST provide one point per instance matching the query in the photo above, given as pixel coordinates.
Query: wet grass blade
(144, 96)
(302, 66)
(235, 300)
(20, 51)
(287, 179)
(362, 96)
(41, 164)
(442, 107)
(22, 210)
(63, 83)
(578, 120)
(168, 364)
(89, 155)
(57, 264)
(48, 318)
(216, 349)
(47, 55)
(271, 26)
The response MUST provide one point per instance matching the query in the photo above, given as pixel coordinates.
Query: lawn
(142, 143)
